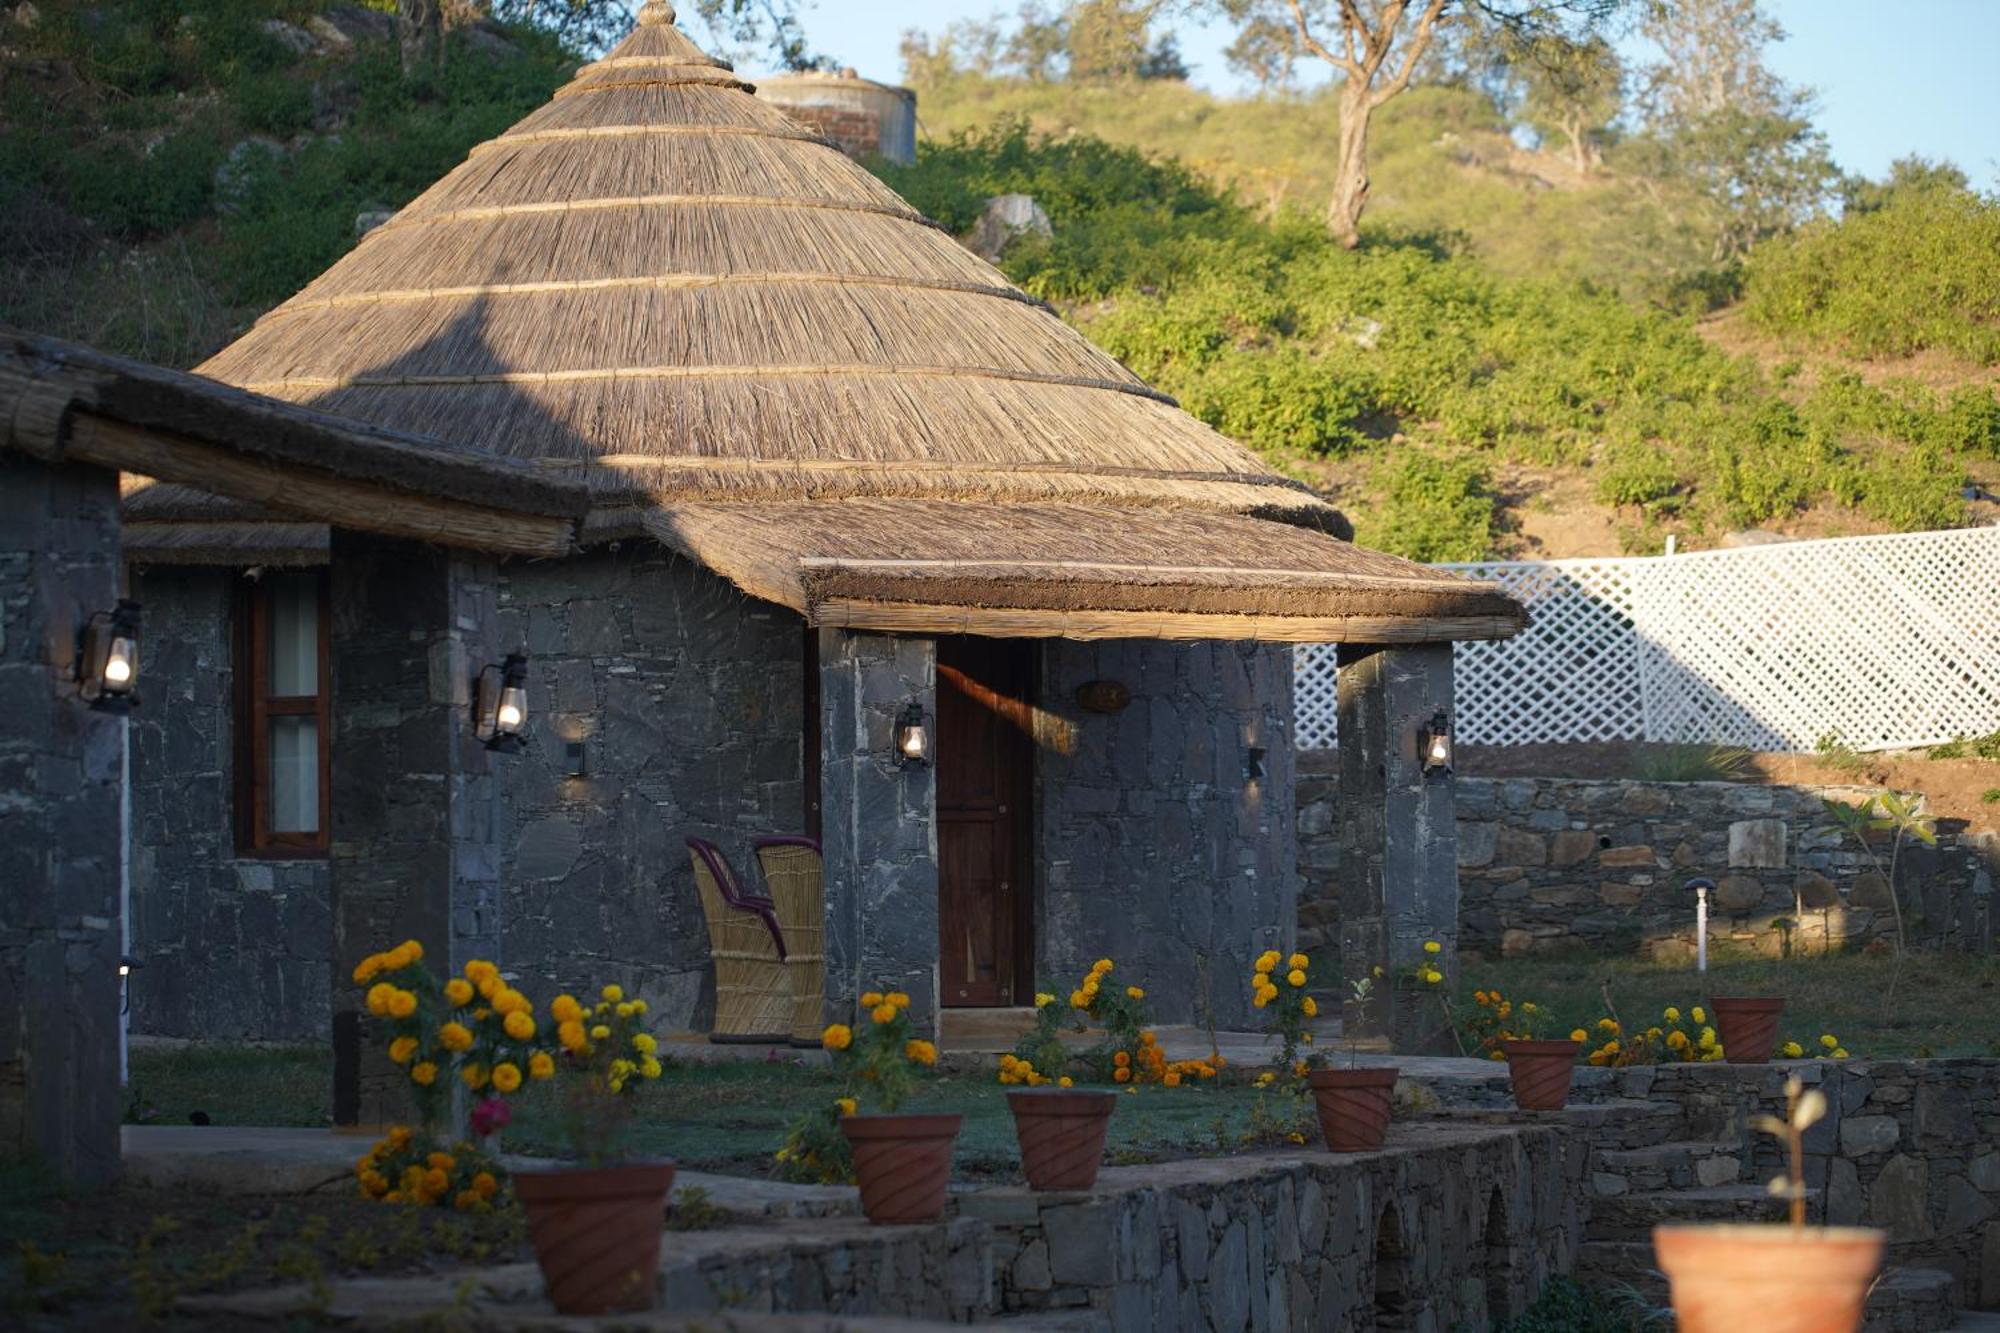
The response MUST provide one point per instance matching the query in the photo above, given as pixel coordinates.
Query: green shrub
(1432, 508)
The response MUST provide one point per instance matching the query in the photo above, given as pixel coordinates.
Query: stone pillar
(1398, 830)
(416, 801)
(60, 787)
(878, 827)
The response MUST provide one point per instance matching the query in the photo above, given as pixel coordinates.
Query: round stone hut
(843, 476)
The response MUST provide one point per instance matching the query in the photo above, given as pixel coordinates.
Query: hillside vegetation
(1522, 357)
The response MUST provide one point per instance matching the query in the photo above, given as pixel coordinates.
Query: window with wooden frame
(283, 721)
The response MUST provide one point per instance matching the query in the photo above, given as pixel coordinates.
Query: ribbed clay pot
(1541, 1072)
(1732, 1277)
(1062, 1135)
(902, 1163)
(1353, 1106)
(1748, 1026)
(596, 1233)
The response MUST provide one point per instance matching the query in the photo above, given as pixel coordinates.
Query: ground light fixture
(913, 738)
(500, 705)
(1434, 744)
(107, 659)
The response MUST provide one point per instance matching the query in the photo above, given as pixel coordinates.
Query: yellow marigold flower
(1598, 1057)
(1697, 1015)
(1065, 1081)
(473, 1076)
(1122, 1058)
(1671, 1014)
(1579, 1036)
(1101, 965)
(1121, 1075)
(479, 970)
(441, 1161)
(507, 1000)
(1496, 1055)
(436, 1181)
(1677, 1039)
(565, 1009)
(1433, 948)
(649, 1068)
(519, 1026)
(1607, 1025)
(846, 1105)
(402, 1004)
(1479, 997)
(403, 1049)
(1090, 988)
(1827, 1040)
(645, 1043)
(625, 1010)
(1840, 1052)
(490, 986)
(870, 999)
(1260, 999)
(484, 1185)
(1298, 960)
(378, 998)
(1652, 1034)
(837, 1037)
(1135, 993)
(884, 1013)
(1078, 1000)
(572, 1036)
(506, 1076)
(1611, 1047)
(424, 1074)
(600, 1032)
(1309, 1007)
(465, 1201)
(541, 1065)
(1431, 977)
(458, 992)
(1296, 977)
(622, 1068)
(1171, 1078)
(1268, 960)
(920, 1052)
(1707, 1039)
(1791, 1050)
(613, 994)
(639, 1008)
(897, 998)
(455, 1037)
(367, 969)
(399, 1136)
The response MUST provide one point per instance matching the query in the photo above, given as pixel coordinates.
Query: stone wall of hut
(1165, 843)
(230, 946)
(687, 697)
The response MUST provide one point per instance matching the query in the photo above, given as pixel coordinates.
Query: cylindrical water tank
(860, 115)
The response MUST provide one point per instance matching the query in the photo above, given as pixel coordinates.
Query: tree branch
(1314, 45)
(1420, 41)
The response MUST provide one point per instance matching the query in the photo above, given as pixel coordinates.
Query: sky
(1893, 78)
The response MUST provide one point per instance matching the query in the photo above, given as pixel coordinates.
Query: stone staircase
(1667, 1179)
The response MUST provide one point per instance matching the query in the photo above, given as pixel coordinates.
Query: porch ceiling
(1077, 571)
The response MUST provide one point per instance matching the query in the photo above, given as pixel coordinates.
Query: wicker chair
(794, 874)
(753, 994)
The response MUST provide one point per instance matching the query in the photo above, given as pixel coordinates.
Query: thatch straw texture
(739, 340)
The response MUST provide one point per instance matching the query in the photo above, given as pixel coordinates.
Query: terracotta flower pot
(1729, 1278)
(1062, 1135)
(1541, 1072)
(1353, 1106)
(1748, 1026)
(902, 1163)
(596, 1233)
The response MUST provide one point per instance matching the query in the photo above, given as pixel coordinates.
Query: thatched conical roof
(665, 288)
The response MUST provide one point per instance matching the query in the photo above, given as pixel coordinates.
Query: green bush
(1431, 508)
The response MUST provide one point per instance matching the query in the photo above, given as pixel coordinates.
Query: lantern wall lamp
(500, 705)
(913, 738)
(1434, 744)
(107, 658)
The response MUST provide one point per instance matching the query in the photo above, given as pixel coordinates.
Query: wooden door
(985, 795)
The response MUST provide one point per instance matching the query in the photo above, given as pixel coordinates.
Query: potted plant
(1061, 1128)
(1353, 1103)
(1749, 1025)
(1539, 1070)
(595, 1220)
(901, 1162)
(1776, 1279)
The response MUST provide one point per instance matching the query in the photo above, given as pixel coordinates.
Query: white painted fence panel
(1885, 642)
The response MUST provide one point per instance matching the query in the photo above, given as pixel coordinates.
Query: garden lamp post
(1701, 886)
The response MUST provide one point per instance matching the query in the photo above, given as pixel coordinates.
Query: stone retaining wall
(1551, 863)
(1450, 1226)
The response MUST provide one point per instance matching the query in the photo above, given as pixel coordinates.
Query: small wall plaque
(1103, 696)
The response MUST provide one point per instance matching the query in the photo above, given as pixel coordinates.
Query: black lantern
(126, 964)
(107, 659)
(1434, 745)
(500, 705)
(913, 738)
(1253, 763)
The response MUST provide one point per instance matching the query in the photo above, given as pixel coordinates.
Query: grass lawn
(1929, 1004)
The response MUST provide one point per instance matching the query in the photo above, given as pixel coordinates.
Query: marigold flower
(479, 970)
(1431, 977)
(1101, 965)
(613, 994)
(1433, 948)
(1268, 960)
(920, 1052)
(403, 1049)
(625, 1010)
(884, 1013)
(1121, 1076)
(506, 1076)
(1135, 992)
(639, 1008)
(1171, 1078)
(1827, 1040)
(870, 999)
(1298, 960)
(402, 1004)
(484, 1185)
(1697, 1015)
(1065, 1081)
(519, 1026)
(645, 1043)
(541, 1065)
(649, 1068)
(1078, 1000)
(846, 1105)
(423, 1074)
(600, 1032)
(565, 1009)
(1496, 1055)
(1579, 1036)
(378, 998)
(368, 969)
(897, 998)
(1122, 1058)
(1599, 1057)
(1671, 1014)
(1791, 1050)
(473, 1076)
(1479, 997)
(572, 1036)
(1296, 976)
(1840, 1052)
(1309, 1007)
(837, 1037)
(455, 1037)
(1607, 1025)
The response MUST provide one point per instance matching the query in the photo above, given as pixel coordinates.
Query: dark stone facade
(1158, 848)
(194, 899)
(688, 698)
(61, 775)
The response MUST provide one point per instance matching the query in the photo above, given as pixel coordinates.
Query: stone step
(1913, 1300)
(1664, 1166)
(1620, 1124)
(1632, 1217)
(1615, 1263)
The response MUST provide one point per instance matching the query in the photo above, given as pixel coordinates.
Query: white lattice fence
(1882, 641)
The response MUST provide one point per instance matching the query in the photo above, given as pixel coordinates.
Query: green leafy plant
(1887, 812)
(1691, 763)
